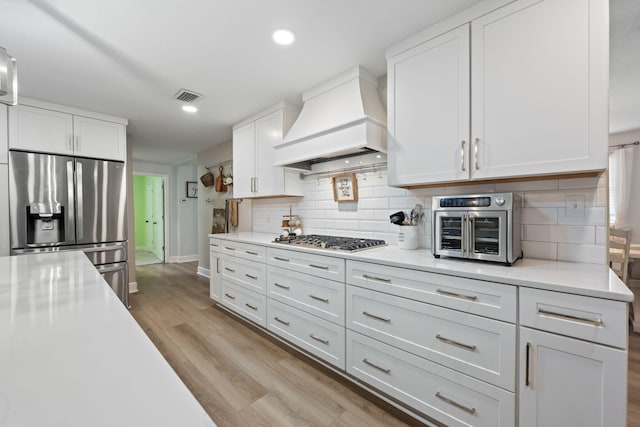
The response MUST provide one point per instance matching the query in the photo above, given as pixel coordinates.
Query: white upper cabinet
(254, 155)
(535, 82)
(37, 129)
(4, 134)
(99, 139)
(428, 118)
(49, 131)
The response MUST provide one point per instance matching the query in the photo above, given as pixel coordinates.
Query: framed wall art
(345, 187)
(192, 189)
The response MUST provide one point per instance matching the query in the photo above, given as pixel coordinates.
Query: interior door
(158, 218)
(148, 217)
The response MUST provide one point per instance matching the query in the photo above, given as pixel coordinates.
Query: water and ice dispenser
(45, 223)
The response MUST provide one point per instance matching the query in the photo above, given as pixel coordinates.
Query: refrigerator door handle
(80, 203)
(104, 248)
(70, 234)
(109, 269)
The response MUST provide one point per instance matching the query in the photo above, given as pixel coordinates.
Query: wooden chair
(619, 245)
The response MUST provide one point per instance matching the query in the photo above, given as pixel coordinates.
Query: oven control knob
(500, 201)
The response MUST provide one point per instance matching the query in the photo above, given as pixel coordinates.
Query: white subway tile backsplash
(582, 253)
(541, 250)
(539, 216)
(547, 232)
(560, 233)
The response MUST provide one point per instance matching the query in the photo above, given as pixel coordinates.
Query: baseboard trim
(133, 287)
(185, 258)
(204, 272)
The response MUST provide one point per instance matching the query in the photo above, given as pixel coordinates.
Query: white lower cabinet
(244, 302)
(569, 382)
(440, 393)
(477, 346)
(317, 336)
(215, 276)
(248, 274)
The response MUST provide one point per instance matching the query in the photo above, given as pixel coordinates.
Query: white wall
(547, 232)
(634, 202)
(185, 224)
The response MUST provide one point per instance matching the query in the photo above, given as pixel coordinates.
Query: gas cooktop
(348, 244)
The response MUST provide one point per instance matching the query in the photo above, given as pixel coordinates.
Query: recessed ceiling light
(283, 36)
(189, 108)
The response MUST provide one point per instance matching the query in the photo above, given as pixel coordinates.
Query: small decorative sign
(345, 187)
(192, 189)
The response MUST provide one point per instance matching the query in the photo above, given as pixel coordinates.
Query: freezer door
(117, 276)
(41, 200)
(101, 195)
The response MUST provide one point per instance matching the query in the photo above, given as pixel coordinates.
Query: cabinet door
(4, 134)
(568, 382)
(428, 117)
(99, 139)
(4, 210)
(244, 161)
(215, 278)
(269, 178)
(540, 88)
(37, 129)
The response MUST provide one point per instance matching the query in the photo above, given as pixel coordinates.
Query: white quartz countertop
(72, 355)
(596, 280)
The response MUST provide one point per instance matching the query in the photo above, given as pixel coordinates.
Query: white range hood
(340, 117)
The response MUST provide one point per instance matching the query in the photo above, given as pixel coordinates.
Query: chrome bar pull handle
(456, 295)
(379, 279)
(217, 265)
(456, 343)
(284, 322)
(318, 298)
(281, 286)
(526, 367)
(596, 322)
(252, 252)
(230, 296)
(229, 248)
(251, 276)
(319, 339)
(70, 143)
(252, 307)
(373, 316)
(281, 259)
(462, 166)
(379, 368)
(230, 269)
(477, 141)
(321, 267)
(77, 148)
(79, 203)
(456, 404)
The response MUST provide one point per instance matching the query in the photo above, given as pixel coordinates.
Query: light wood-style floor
(239, 375)
(244, 378)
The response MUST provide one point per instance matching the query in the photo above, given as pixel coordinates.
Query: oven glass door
(487, 239)
(450, 233)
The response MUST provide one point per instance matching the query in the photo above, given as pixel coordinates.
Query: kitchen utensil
(233, 213)
(221, 187)
(397, 218)
(207, 179)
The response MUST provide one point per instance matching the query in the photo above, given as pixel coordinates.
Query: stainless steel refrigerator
(65, 203)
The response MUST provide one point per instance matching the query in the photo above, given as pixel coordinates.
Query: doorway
(149, 218)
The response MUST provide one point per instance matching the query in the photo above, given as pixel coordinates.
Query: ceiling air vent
(187, 96)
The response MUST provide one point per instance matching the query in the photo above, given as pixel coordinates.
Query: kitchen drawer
(317, 265)
(591, 319)
(248, 274)
(244, 250)
(445, 395)
(477, 346)
(317, 336)
(321, 297)
(488, 299)
(215, 245)
(247, 304)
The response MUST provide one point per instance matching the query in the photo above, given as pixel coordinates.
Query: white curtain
(620, 173)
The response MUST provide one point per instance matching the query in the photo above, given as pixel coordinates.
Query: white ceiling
(128, 58)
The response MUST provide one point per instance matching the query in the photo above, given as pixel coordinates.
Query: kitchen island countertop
(595, 280)
(72, 355)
